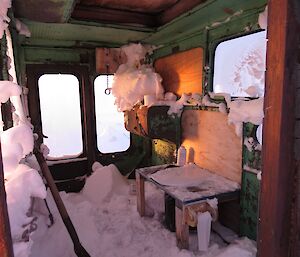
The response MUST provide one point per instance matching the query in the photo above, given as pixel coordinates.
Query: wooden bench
(187, 199)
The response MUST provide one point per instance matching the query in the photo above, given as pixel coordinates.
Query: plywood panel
(181, 72)
(211, 143)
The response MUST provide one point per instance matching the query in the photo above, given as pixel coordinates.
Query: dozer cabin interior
(181, 112)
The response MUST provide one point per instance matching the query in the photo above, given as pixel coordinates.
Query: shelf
(154, 122)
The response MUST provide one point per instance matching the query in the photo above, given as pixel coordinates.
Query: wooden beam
(278, 155)
(176, 10)
(182, 229)
(113, 16)
(6, 249)
(140, 193)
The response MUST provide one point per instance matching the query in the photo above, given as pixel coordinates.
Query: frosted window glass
(60, 113)
(239, 67)
(111, 133)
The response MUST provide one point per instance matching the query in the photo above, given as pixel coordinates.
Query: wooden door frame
(278, 132)
(34, 71)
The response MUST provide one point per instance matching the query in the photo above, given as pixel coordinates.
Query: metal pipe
(78, 248)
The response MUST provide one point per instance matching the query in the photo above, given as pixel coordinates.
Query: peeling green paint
(163, 152)
(162, 125)
(250, 185)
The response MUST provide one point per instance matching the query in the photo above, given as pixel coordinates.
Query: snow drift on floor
(113, 228)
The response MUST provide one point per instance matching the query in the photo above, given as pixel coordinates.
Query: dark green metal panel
(162, 125)
(250, 185)
(163, 152)
(48, 55)
(249, 205)
(137, 156)
(77, 32)
(208, 17)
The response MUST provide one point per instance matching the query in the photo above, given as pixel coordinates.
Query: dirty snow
(180, 180)
(133, 80)
(113, 227)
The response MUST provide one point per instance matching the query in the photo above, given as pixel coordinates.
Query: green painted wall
(250, 185)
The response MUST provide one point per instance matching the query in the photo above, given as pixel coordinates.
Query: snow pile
(4, 19)
(8, 89)
(133, 80)
(114, 228)
(239, 248)
(194, 99)
(176, 107)
(104, 183)
(22, 28)
(263, 19)
(22, 183)
(16, 143)
(245, 111)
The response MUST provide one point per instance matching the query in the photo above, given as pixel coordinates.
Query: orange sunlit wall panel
(181, 72)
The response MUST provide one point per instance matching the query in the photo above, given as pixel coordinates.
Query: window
(239, 67)
(60, 114)
(111, 133)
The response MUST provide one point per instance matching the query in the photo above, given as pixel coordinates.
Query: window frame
(213, 46)
(35, 71)
(112, 154)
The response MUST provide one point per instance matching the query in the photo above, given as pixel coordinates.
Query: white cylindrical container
(181, 156)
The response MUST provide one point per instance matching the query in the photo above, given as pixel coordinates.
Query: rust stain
(228, 11)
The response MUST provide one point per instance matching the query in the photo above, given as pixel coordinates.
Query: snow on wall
(4, 5)
(22, 28)
(245, 111)
(132, 80)
(8, 89)
(22, 183)
(263, 19)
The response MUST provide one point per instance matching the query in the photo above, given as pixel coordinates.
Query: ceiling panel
(146, 6)
(44, 11)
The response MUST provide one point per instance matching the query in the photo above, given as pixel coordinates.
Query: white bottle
(181, 156)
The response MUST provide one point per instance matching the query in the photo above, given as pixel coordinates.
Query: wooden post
(278, 132)
(182, 229)
(6, 249)
(140, 194)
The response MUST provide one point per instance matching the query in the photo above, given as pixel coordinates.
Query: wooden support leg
(140, 193)
(182, 229)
